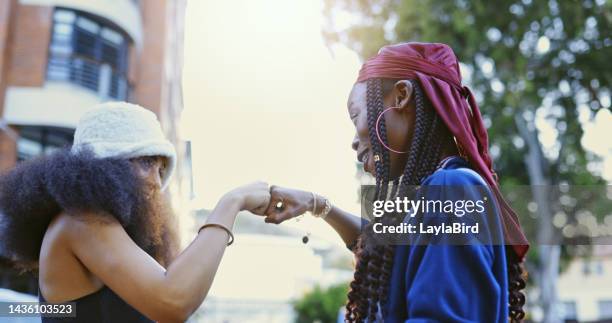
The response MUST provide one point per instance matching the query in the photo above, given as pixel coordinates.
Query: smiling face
(399, 124)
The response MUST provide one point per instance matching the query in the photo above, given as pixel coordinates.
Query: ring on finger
(279, 205)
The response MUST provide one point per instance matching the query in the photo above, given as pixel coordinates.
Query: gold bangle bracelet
(217, 225)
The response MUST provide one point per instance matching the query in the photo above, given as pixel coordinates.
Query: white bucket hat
(124, 130)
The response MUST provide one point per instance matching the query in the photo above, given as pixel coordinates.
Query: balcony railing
(90, 74)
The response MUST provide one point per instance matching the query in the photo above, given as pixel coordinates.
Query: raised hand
(287, 203)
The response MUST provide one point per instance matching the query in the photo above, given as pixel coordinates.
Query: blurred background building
(585, 291)
(60, 57)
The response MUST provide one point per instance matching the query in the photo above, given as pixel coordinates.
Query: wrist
(317, 204)
(325, 208)
(225, 211)
(320, 204)
(233, 199)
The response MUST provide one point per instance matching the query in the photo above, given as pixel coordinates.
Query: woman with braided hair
(418, 126)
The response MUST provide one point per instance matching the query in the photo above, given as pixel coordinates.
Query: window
(34, 140)
(599, 268)
(586, 267)
(568, 310)
(592, 267)
(605, 309)
(90, 52)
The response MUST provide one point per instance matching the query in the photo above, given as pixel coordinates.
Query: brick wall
(30, 46)
(150, 58)
(24, 41)
(7, 11)
(8, 148)
(8, 151)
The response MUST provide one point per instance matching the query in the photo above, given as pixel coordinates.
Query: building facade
(585, 287)
(60, 57)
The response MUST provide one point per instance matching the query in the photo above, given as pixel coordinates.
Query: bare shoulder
(62, 276)
(69, 232)
(66, 226)
(86, 224)
(98, 241)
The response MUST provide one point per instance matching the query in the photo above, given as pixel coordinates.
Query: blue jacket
(450, 283)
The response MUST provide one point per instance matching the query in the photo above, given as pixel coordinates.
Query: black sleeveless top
(102, 306)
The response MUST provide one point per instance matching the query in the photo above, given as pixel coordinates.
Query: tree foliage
(545, 61)
(321, 304)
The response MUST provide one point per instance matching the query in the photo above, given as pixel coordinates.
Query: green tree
(321, 304)
(526, 60)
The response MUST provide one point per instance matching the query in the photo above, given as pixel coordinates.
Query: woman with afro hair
(93, 222)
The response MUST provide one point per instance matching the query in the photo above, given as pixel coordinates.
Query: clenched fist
(254, 197)
(287, 203)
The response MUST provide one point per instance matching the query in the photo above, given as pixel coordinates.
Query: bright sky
(266, 100)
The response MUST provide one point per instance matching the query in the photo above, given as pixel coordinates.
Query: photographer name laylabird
(421, 228)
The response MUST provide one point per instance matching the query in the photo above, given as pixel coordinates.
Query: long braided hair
(370, 285)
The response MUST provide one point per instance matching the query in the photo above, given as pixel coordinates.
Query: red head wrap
(436, 68)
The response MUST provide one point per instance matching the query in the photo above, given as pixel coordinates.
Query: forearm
(191, 275)
(347, 225)
(163, 294)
